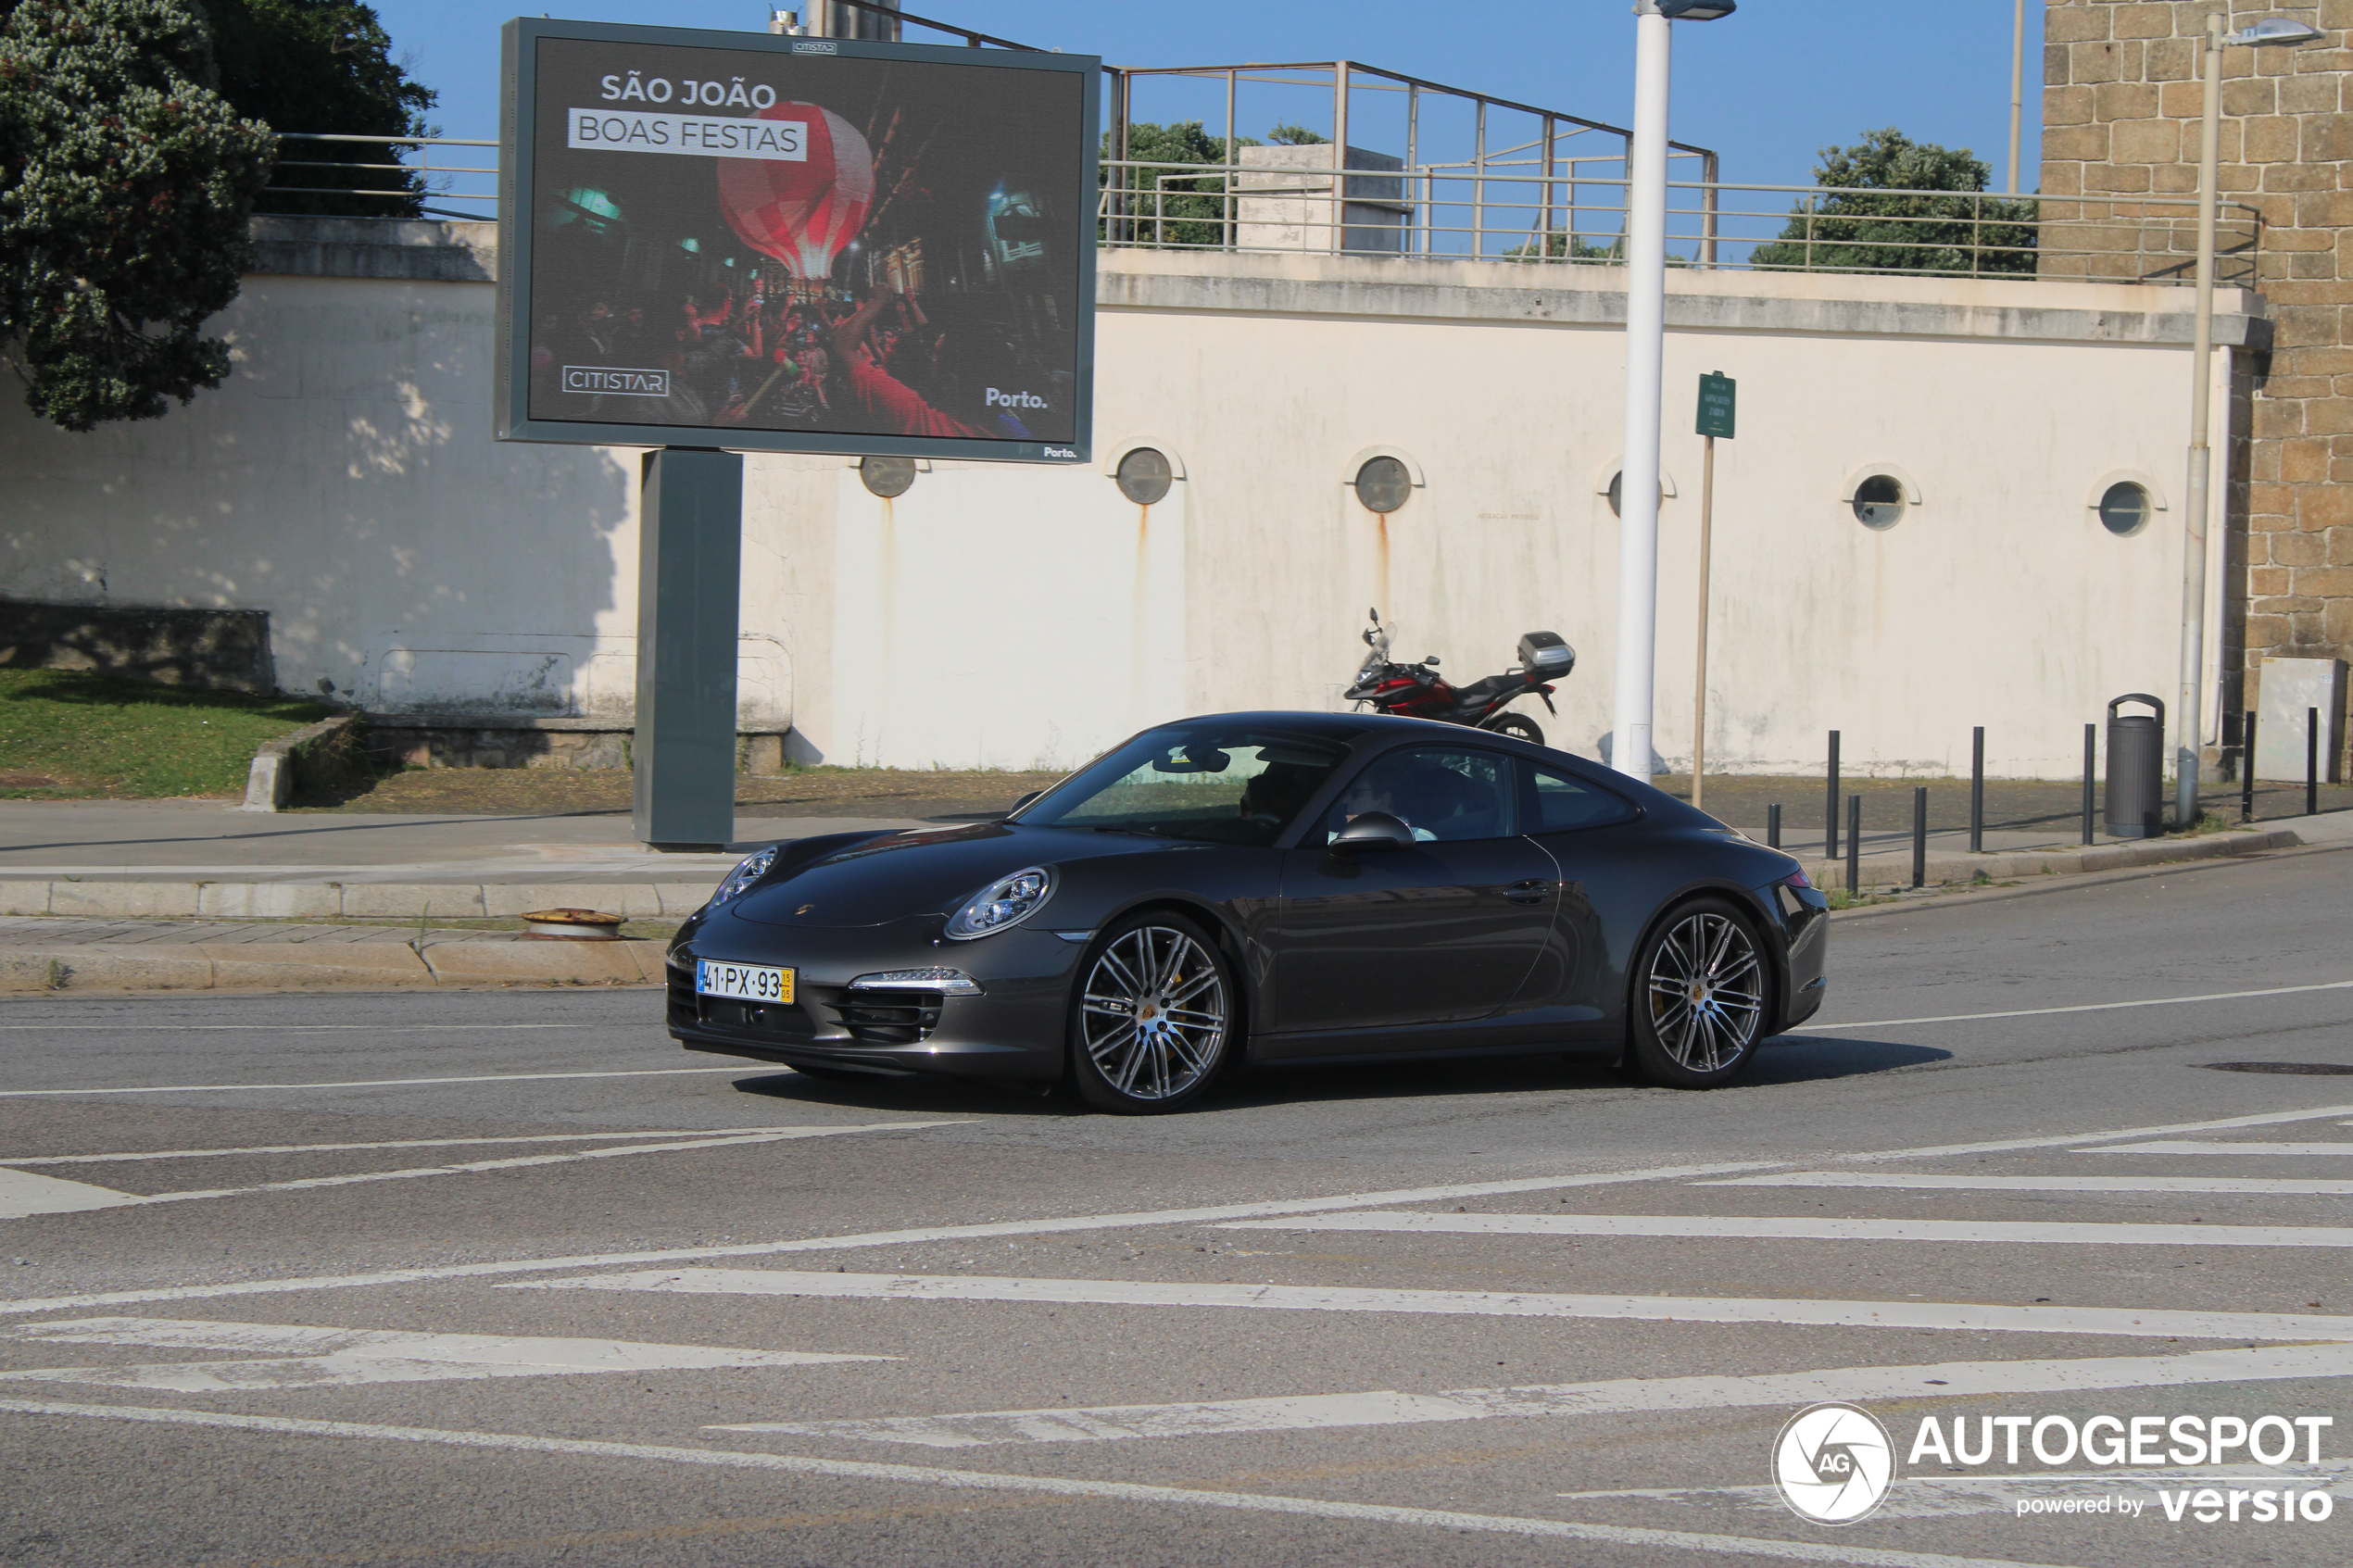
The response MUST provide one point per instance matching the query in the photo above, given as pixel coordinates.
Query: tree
(323, 66)
(1171, 209)
(1296, 136)
(127, 181)
(1853, 230)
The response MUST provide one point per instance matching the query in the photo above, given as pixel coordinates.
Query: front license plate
(745, 981)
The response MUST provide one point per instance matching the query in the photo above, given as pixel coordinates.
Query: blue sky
(1767, 86)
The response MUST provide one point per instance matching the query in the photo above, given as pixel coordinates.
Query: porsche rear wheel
(1701, 995)
(1153, 1020)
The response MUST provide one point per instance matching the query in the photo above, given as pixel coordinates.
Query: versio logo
(1833, 1463)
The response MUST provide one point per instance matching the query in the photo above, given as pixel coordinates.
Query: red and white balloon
(803, 214)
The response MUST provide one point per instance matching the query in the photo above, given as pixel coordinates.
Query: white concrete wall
(346, 482)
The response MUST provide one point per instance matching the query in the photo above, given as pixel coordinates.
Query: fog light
(947, 982)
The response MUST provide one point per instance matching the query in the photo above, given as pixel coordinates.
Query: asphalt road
(508, 1279)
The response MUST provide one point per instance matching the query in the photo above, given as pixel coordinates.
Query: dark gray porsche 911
(1264, 887)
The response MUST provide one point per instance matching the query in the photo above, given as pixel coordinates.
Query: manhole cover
(2310, 1068)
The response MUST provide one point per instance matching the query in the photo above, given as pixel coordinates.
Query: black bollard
(1976, 791)
(2091, 756)
(1919, 836)
(1773, 825)
(2246, 766)
(1854, 845)
(2311, 761)
(1830, 810)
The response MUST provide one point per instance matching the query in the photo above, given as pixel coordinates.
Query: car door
(1570, 819)
(1444, 932)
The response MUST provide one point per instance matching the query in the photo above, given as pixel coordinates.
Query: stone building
(2122, 104)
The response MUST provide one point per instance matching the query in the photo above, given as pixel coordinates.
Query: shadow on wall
(341, 484)
(215, 649)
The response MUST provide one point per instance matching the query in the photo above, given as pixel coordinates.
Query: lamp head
(2274, 31)
(1691, 10)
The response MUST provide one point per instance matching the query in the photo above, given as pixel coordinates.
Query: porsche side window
(1442, 796)
(1559, 802)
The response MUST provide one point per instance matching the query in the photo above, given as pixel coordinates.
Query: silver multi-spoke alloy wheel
(1703, 995)
(1153, 1017)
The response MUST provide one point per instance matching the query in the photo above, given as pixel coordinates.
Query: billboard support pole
(689, 583)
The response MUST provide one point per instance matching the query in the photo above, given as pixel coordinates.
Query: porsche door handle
(1529, 891)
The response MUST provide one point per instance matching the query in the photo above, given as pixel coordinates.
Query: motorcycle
(1415, 691)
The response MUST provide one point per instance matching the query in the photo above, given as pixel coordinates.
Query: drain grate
(2304, 1069)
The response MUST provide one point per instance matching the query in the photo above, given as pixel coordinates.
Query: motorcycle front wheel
(1517, 724)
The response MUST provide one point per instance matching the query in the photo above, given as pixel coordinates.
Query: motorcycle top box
(1547, 655)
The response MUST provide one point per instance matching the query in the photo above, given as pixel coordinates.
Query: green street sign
(1716, 400)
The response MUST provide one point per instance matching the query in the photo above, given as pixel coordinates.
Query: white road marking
(1969, 1316)
(343, 1357)
(1386, 1407)
(2186, 1145)
(22, 1193)
(330, 1147)
(1654, 1541)
(2086, 1006)
(1806, 1228)
(876, 1238)
(516, 1162)
(378, 1083)
(2003, 1146)
(2264, 1185)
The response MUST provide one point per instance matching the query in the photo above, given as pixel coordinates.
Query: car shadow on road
(1787, 1059)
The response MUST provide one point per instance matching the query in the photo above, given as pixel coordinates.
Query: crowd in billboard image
(755, 239)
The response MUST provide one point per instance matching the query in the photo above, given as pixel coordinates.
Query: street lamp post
(2189, 721)
(1645, 365)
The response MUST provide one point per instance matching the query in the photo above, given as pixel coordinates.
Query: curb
(129, 899)
(1895, 871)
(270, 784)
(375, 966)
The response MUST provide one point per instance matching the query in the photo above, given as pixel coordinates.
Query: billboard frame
(517, 195)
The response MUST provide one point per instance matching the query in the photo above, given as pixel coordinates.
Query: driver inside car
(1371, 793)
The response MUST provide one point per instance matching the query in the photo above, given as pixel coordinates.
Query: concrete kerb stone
(375, 966)
(506, 900)
(123, 900)
(268, 900)
(1894, 870)
(384, 901)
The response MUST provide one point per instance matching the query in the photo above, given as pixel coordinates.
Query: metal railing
(470, 190)
(1524, 205)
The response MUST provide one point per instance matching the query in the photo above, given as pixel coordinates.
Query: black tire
(1518, 724)
(1133, 1050)
(1701, 999)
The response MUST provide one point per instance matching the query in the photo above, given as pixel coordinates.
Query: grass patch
(75, 734)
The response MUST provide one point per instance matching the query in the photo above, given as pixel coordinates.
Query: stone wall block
(2267, 631)
(2322, 506)
(2126, 100)
(2143, 21)
(2328, 416)
(2171, 59)
(2274, 420)
(2243, 98)
(2336, 623)
(2335, 13)
(2068, 106)
(2306, 95)
(2096, 62)
(2285, 604)
(2327, 138)
(2077, 24)
(2269, 579)
(2304, 462)
(2110, 177)
(2271, 500)
(2062, 180)
(2081, 143)
(2297, 549)
(2324, 582)
(2146, 140)
(2268, 139)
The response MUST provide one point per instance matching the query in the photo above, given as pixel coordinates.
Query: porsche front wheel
(1153, 1020)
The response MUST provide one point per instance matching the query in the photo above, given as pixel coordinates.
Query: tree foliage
(127, 181)
(1171, 209)
(1857, 228)
(322, 65)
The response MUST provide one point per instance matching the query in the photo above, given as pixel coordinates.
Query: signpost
(719, 243)
(1717, 400)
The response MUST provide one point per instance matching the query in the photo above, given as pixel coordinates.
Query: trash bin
(2136, 770)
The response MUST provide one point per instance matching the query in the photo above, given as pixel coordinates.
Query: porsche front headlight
(1004, 903)
(750, 870)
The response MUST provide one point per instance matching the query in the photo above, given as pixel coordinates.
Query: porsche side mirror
(1025, 801)
(1372, 829)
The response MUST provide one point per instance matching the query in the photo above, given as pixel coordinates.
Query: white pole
(1645, 354)
(2017, 85)
(2188, 720)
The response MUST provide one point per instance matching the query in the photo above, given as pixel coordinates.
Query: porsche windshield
(1205, 784)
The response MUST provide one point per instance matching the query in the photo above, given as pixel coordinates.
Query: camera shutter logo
(1833, 1463)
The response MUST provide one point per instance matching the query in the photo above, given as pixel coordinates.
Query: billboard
(775, 244)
